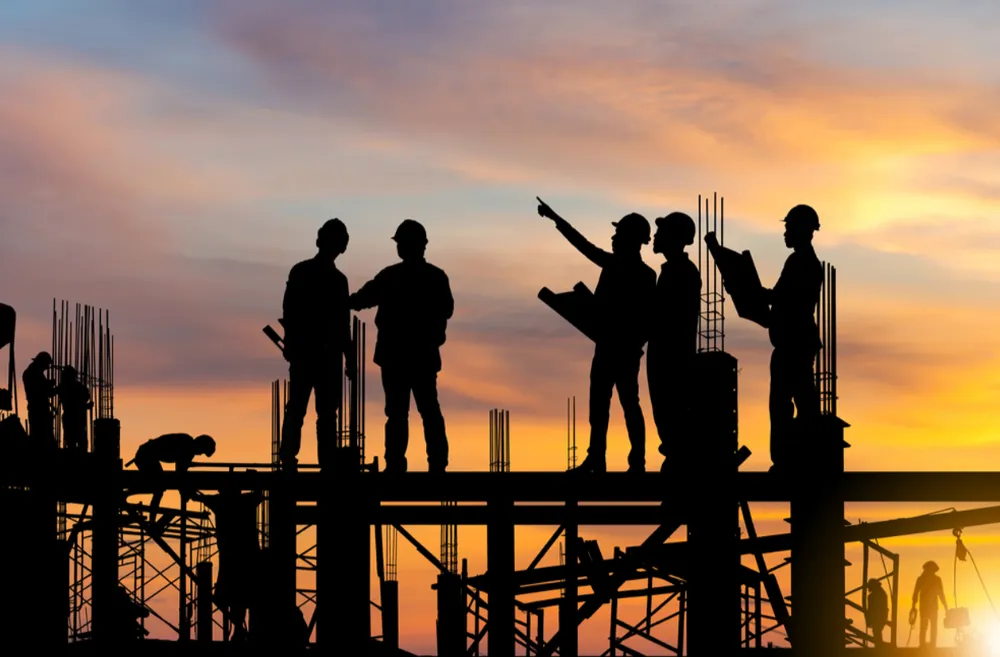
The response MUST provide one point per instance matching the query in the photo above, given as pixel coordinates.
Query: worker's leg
(425, 395)
(780, 406)
(299, 388)
(41, 425)
(925, 622)
(934, 628)
(602, 383)
(396, 386)
(803, 380)
(627, 383)
(675, 412)
(151, 466)
(328, 384)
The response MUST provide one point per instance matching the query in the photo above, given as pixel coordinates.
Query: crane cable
(960, 553)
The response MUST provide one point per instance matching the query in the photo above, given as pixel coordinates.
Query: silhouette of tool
(273, 335)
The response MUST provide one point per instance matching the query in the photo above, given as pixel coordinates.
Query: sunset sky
(170, 161)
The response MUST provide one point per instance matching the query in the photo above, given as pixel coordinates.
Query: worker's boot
(289, 463)
(591, 464)
(395, 466)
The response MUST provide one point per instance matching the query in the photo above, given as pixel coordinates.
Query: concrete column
(500, 565)
(203, 573)
(343, 554)
(390, 614)
(713, 596)
(568, 626)
(108, 467)
(817, 526)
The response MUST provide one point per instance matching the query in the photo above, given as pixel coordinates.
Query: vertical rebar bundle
(712, 319)
(391, 553)
(826, 361)
(84, 342)
(279, 398)
(570, 433)
(351, 419)
(499, 440)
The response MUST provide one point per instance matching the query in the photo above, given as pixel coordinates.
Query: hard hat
(873, 584)
(43, 357)
(333, 228)
(635, 225)
(804, 216)
(931, 567)
(679, 224)
(411, 231)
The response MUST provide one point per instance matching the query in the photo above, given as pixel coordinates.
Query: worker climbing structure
(86, 573)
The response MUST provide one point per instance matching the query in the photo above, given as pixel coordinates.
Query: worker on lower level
(877, 610)
(177, 448)
(239, 551)
(926, 593)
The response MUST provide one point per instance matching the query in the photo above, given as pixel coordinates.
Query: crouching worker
(177, 448)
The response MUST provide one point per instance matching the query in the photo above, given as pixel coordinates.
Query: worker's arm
(370, 294)
(916, 593)
(447, 298)
(596, 255)
(344, 325)
(292, 302)
(940, 594)
(647, 307)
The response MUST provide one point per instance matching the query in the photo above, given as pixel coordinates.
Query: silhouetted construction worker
(177, 448)
(927, 592)
(74, 397)
(317, 324)
(623, 299)
(239, 551)
(39, 390)
(877, 610)
(673, 338)
(793, 332)
(414, 303)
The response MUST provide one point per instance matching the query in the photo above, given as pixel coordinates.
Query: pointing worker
(623, 296)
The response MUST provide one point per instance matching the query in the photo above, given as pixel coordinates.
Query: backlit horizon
(170, 162)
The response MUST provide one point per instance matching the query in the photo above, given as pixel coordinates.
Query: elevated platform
(80, 484)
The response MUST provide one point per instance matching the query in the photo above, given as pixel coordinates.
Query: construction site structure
(80, 543)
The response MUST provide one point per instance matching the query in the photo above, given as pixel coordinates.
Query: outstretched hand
(544, 210)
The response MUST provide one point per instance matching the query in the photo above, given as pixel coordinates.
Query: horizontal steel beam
(80, 484)
(617, 514)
